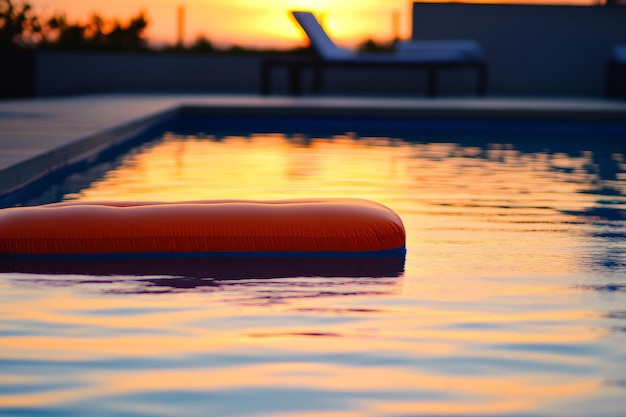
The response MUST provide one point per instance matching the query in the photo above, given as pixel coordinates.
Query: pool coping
(84, 147)
(449, 109)
(82, 150)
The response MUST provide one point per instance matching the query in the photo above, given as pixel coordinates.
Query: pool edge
(83, 150)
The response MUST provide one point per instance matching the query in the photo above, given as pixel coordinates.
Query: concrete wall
(535, 50)
(60, 73)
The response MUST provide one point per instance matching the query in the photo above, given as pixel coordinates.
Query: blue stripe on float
(174, 255)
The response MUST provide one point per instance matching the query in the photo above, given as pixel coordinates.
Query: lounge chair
(431, 56)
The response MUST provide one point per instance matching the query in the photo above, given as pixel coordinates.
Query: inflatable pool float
(308, 228)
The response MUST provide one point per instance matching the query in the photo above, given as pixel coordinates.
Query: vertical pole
(431, 87)
(180, 26)
(409, 20)
(395, 25)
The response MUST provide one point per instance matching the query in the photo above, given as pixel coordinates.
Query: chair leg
(431, 87)
(481, 87)
(616, 79)
(295, 78)
(611, 79)
(266, 79)
(318, 79)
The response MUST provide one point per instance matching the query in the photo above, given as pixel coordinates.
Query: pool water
(512, 301)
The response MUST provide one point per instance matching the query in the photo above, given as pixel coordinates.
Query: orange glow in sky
(253, 23)
(246, 22)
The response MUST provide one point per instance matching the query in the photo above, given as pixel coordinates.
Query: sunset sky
(251, 23)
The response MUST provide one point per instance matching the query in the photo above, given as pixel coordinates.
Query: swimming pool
(510, 300)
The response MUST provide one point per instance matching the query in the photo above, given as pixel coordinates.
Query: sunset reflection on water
(511, 301)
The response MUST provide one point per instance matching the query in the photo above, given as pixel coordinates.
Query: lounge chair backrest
(321, 42)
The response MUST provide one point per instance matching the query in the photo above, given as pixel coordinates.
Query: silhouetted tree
(93, 35)
(95, 31)
(62, 34)
(370, 45)
(19, 27)
(202, 44)
(128, 37)
(237, 49)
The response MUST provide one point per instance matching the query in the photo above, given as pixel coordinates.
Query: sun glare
(253, 24)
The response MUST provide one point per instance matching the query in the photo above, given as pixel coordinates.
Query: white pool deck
(32, 131)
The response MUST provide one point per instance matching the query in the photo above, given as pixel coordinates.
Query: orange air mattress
(308, 227)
